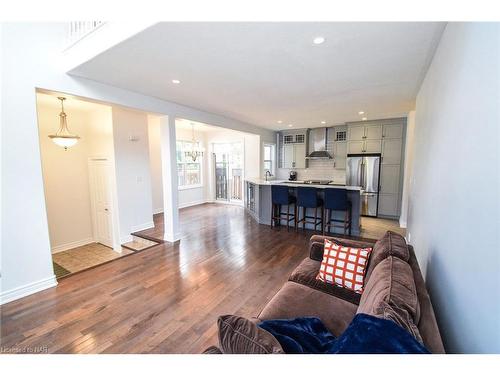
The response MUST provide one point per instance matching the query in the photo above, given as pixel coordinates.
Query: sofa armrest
(317, 242)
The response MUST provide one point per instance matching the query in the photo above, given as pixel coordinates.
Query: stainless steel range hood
(318, 138)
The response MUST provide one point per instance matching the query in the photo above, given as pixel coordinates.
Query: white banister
(80, 29)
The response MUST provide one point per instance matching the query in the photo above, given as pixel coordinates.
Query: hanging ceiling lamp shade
(63, 137)
(196, 151)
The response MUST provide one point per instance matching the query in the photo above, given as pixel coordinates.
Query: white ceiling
(264, 72)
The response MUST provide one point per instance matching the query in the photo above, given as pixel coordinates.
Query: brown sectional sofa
(394, 289)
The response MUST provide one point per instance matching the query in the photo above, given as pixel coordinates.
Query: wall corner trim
(26, 290)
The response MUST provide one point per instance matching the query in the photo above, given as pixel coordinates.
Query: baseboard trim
(28, 289)
(138, 228)
(194, 203)
(403, 224)
(169, 237)
(71, 245)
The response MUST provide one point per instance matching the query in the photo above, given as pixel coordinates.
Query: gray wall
(454, 191)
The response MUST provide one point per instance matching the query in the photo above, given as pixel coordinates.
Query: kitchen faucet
(268, 173)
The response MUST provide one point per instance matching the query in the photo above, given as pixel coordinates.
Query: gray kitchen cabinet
(383, 137)
(356, 132)
(389, 179)
(294, 156)
(394, 131)
(364, 132)
(355, 147)
(391, 151)
(373, 132)
(368, 146)
(388, 204)
(340, 154)
(373, 146)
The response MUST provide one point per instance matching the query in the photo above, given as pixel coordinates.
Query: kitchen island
(258, 201)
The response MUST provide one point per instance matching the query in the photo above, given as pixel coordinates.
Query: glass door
(228, 164)
(221, 175)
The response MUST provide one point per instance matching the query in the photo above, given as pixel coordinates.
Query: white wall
(133, 176)
(66, 179)
(408, 168)
(154, 137)
(31, 59)
(453, 219)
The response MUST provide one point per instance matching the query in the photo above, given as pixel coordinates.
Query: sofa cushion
(306, 273)
(296, 300)
(390, 293)
(344, 266)
(391, 244)
(239, 335)
(317, 242)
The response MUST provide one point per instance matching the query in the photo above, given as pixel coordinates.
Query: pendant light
(195, 151)
(63, 137)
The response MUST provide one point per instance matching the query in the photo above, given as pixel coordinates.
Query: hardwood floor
(165, 299)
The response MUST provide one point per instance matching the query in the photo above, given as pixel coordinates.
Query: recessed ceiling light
(176, 81)
(323, 122)
(361, 112)
(290, 125)
(280, 122)
(319, 40)
(364, 119)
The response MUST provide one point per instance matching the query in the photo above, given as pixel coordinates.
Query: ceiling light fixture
(319, 40)
(63, 137)
(176, 81)
(364, 119)
(280, 122)
(323, 122)
(195, 150)
(361, 112)
(290, 125)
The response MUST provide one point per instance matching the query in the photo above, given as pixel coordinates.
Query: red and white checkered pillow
(344, 266)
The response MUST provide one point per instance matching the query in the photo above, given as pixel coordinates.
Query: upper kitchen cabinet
(356, 133)
(392, 131)
(294, 156)
(372, 146)
(293, 149)
(364, 132)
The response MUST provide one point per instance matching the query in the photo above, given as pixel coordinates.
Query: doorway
(228, 161)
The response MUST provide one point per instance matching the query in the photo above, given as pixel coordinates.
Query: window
(188, 171)
(269, 157)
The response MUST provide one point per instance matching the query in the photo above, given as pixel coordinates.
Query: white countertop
(259, 181)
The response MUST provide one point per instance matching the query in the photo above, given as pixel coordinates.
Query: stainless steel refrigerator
(364, 171)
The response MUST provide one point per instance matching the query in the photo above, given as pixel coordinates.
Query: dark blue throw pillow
(366, 334)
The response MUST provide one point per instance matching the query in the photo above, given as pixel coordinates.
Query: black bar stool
(280, 196)
(336, 200)
(307, 197)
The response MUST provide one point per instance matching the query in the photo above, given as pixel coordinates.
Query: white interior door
(100, 190)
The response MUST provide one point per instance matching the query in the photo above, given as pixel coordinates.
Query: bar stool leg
(272, 215)
(304, 212)
(288, 217)
(322, 219)
(295, 216)
(345, 221)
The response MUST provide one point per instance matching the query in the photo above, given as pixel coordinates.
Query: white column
(169, 177)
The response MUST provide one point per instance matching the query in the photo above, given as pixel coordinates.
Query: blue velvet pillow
(366, 334)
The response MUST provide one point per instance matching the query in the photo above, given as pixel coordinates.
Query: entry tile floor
(86, 256)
